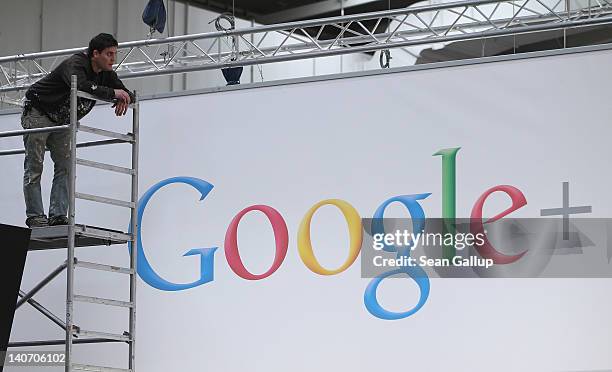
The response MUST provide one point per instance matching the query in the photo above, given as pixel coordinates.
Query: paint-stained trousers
(58, 144)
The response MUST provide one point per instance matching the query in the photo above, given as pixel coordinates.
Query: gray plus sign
(565, 211)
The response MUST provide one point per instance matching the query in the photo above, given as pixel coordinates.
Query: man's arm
(116, 83)
(123, 95)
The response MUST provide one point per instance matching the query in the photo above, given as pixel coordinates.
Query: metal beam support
(41, 284)
(105, 133)
(104, 166)
(18, 133)
(44, 311)
(412, 26)
(80, 145)
(59, 342)
(71, 223)
(105, 200)
(134, 231)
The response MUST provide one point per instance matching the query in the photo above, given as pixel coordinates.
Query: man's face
(105, 59)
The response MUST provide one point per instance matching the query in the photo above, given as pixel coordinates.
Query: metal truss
(413, 26)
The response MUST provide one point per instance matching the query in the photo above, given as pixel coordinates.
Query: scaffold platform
(56, 237)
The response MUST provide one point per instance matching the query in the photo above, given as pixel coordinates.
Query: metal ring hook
(385, 58)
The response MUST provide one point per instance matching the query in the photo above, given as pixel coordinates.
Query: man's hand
(123, 101)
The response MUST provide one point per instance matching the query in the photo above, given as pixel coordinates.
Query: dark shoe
(37, 221)
(58, 220)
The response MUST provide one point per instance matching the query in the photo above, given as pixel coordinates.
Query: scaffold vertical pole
(71, 222)
(134, 231)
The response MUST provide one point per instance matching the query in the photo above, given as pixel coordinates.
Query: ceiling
(279, 11)
(512, 44)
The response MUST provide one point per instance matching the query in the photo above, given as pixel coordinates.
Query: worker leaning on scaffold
(48, 104)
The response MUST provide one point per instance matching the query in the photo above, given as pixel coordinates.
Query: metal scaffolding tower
(75, 235)
(413, 26)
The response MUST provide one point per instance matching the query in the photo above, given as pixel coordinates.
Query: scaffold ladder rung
(104, 166)
(105, 200)
(102, 301)
(105, 335)
(106, 133)
(102, 267)
(86, 367)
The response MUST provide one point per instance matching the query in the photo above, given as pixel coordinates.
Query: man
(48, 104)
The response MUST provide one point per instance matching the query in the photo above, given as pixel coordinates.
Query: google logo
(353, 220)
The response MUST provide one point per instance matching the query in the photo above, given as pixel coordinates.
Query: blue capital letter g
(144, 269)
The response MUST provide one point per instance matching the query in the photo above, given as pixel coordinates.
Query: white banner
(532, 124)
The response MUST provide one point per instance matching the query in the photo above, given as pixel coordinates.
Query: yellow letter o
(353, 221)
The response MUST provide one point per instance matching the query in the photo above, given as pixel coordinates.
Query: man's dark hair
(101, 42)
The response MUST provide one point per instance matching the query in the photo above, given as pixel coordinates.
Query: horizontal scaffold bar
(79, 145)
(16, 133)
